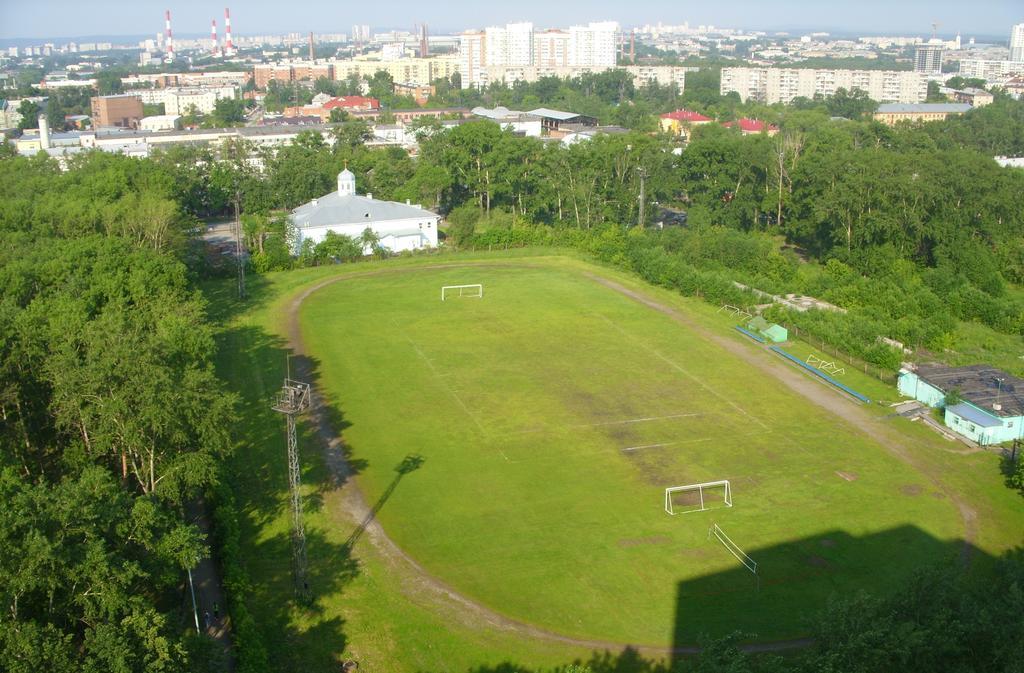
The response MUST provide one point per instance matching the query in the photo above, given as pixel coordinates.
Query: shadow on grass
(920, 596)
(297, 636)
(410, 463)
(1010, 466)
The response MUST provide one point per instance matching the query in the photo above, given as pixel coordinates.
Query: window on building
(971, 426)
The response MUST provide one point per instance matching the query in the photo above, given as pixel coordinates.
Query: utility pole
(643, 176)
(239, 257)
(293, 400)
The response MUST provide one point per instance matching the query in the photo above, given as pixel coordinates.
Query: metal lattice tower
(293, 400)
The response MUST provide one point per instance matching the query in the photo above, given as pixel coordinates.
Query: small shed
(974, 423)
(776, 333)
(770, 331)
(758, 324)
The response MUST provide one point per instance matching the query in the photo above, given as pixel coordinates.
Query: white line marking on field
(634, 420)
(686, 373)
(447, 386)
(649, 446)
(563, 428)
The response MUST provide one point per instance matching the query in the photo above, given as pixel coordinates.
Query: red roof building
(686, 116)
(679, 122)
(352, 103)
(753, 126)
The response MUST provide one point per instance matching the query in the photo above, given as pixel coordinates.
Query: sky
(73, 18)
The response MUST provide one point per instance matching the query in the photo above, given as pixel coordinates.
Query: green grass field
(549, 417)
(552, 414)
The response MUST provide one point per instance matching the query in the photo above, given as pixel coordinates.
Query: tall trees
(113, 416)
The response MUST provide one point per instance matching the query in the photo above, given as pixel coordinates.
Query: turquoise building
(989, 407)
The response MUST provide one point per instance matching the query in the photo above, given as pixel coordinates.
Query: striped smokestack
(228, 47)
(213, 34)
(170, 35)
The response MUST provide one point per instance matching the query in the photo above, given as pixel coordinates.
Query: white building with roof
(398, 226)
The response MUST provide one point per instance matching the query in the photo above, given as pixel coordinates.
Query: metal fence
(884, 375)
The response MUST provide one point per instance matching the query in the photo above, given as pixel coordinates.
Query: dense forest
(114, 420)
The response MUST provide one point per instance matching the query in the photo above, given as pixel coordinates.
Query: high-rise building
(519, 43)
(551, 49)
(928, 59)
(593, 44)
(1017, 43)
(472, 57)
(360, 34)
(496, 45)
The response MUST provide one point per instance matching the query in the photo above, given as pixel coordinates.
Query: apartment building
(519, 46)
(782, 85)
(642, 75)
(472, 56)
(181, 101)
(989, 70)
(551, 48)
(418, 71)
(593, 44)
(928, 59)
(1017, 43)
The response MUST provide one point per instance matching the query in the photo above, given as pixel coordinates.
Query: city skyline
(63, 19)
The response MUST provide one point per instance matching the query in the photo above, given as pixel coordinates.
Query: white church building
(399, 226)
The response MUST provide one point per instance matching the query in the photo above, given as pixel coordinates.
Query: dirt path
(210, 603)
(421, 587)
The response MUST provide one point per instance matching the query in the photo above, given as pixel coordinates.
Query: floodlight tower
(292, 401)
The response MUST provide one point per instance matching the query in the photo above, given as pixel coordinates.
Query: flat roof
(555, 114)
(974, 415)
(981, 385)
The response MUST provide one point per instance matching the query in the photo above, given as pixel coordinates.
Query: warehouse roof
(981, 385)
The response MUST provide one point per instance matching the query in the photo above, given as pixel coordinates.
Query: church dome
(346, 183)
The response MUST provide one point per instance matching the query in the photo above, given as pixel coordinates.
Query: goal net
(748, 563)
(698, 497)
(475, 290)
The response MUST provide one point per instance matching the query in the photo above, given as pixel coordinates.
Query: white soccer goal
(698, 497)
(735, 311)
(824, 365)
(475, 290)
(748, 563)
